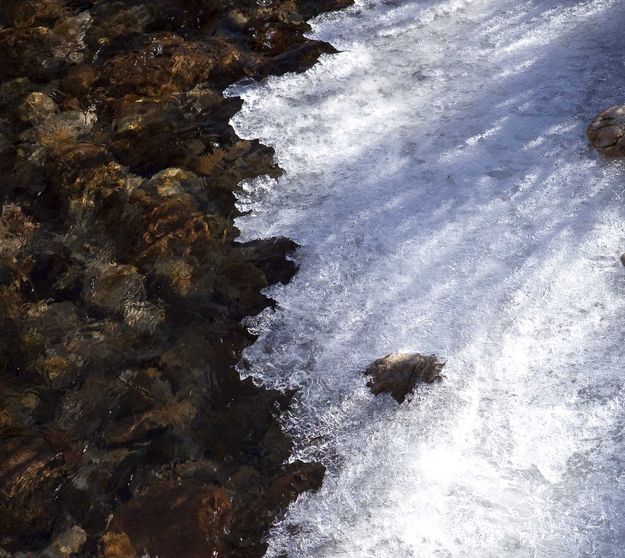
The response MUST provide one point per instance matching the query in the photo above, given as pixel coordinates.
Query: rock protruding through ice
(399, 373)
(607, 132)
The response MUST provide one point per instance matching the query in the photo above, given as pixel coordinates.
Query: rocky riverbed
(124, 428)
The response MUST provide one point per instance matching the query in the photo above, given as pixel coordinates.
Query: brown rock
(143, 317)
(26, 13)
(118, 545)
(167, 64)
(66, 544)
(24, 49)
(80, 78)
(52, 320)
(29, 476)
(607, 132)
(112, 286)
(36, 108)
(185, 518)
(136, 428)
(203, 470)
(297, 478)
(398, 373)
(116, 20)
(237, 20)
(71, 32)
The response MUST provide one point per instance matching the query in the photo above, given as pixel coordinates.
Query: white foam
(440, 184)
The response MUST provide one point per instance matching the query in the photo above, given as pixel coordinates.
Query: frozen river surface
(439, 182)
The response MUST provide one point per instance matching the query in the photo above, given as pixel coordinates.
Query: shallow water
(440, 184)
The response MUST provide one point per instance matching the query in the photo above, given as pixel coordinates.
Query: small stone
(398, 373)
(80, 78)
(36, 108)
(623, 258)
(238, 20)
(607, 132)
(143, 316)
(136, 428)
(66, 544)
(113, 286)
(117, 545)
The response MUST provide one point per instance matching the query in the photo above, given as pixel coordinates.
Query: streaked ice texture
(440, 184)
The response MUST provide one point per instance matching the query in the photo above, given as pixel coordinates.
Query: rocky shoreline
(124, 428)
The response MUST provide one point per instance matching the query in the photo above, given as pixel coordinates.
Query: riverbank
(125, 429)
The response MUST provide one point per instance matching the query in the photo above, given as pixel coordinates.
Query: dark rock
(112, 287)
(36, 108)
(27, 13)
(138, 427)
(398, 373)
(186, 519)
(30, 473)
(623, 259)
(167, 64)
(66, 544)
(297, 478)
(205, 471)
(79, 80)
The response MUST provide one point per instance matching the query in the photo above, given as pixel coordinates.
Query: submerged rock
(124, 426)
(398, 373)
(112, 286)
(67, 544)
(607, 132)
(36, 108)
(186, 518)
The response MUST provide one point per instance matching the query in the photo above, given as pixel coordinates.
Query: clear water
(440, 184)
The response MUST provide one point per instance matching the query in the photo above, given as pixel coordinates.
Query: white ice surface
(440, 184)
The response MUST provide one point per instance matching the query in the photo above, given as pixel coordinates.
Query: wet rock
(205, 471)
(36, 108)
(80, 79)
(26, 13)
(156, 123)
(186, 518)
(607, 132)
(118, 545)
(238, 20)
(64, 128)
(52, 320)
(67, 164)
(42, 53)
(167, 62)
(87, 410)
(30, 473)
(25, 50)
(72, 32)
(17, 410)
(272, 256)
(142, 316)
(66, 544)
(297, 478)
(113, 286)
(137, 428)
(398, 373)
(115, 20)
